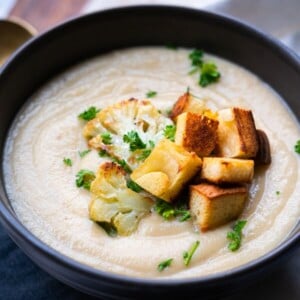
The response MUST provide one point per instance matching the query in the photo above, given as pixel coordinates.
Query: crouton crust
(213, 206)
(179, 106)
(196, 133)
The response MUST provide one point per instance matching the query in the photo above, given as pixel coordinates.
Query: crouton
(166, 170)
(196, 133)
(263, 156)
(187, 103)
(213, 206)
(227, 170)
(236, 133)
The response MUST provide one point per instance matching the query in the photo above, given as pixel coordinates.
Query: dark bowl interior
(91, 35)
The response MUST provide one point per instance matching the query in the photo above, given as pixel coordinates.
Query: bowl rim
(13, 225)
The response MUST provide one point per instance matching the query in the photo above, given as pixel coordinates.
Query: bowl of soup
(75, 99)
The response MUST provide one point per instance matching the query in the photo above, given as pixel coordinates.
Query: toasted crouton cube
(213, 206)
(187, 103)
(196, 133)
(227, 170)
(263, 155)
(166, 170)
(237, 133)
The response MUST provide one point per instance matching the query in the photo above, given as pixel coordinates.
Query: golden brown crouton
(187, 103)
(196, 133)
(212, 206)
(263, 155)
(166, 170)
(236, 133)
(227, 170)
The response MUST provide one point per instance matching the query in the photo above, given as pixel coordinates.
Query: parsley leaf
(187, 255)
(106, 138)
(68, 161)
(134, 141)
(103, 153)
(164, 264)
(169, 132)
(84, 153)
(133, 186)
(145, 153)
(84, 179)
(151, 94)
(297, 147)
(196, 57)
(235, 236)
(108, 228)
(168, 211)
(209, 74)
(122, 163)
(277, 193)
(89, 114)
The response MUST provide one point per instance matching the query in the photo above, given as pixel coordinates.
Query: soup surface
(47, 201)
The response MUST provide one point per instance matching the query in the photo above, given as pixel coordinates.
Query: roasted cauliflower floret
(123, 118)
(237, 135)
(196, 133)
(166, 170)
(114, 203)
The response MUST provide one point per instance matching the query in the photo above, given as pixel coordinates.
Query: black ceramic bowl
(100, 32)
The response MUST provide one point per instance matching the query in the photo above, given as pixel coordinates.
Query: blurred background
(19, 277)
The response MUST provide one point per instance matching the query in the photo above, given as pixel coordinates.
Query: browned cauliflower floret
(114, 203)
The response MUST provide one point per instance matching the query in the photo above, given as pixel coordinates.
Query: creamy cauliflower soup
(42, 160)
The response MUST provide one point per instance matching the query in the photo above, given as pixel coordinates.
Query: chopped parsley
(134, 141)
(84, 179)
(151, 94)
(208, 71)
(106, 138)
(235, 236)
(277, 193)
(209, 74)
(196, 57)
(122, 163)
(68, 162)
(108, 228)
(145, 153)
(133, 186)
(187, 255)
(168, 211)
(89, 114)
(103, 153)
(297, 147)
(84, 153)
(169, 132)
(164, 264)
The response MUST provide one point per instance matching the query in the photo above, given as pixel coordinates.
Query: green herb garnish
(145, 153)
(133, 186)
(134, 141)
(164, 264)
(277, 193)
(235, 236)
(209, 74)
(68, 161)
(84, 153)
(168, 211)
(208, 71)
(106, 138)
(89, 114)
(297, 147)
(151, 94)
(84, 179)
(103, 153)
(187, 255)
(108, 228)
(169, 132)
(196, 57)
(122, 163)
